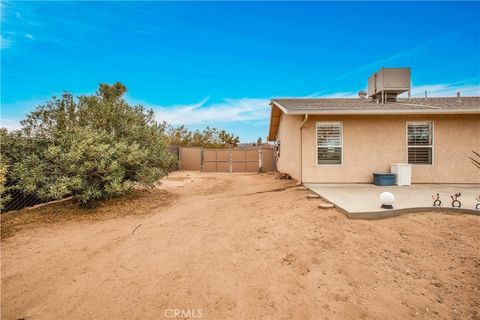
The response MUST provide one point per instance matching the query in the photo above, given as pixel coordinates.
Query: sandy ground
(223, 251)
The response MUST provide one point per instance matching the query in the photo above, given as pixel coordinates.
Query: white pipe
(304, 120)
(301, 146)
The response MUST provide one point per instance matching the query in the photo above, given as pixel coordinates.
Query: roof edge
(382, 112)
(278, 105)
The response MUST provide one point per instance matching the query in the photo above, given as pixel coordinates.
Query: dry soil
(227, 247)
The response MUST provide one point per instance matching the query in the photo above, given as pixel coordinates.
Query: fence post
(179, 161)
(201, 159)
(230, 161)
(245, 161)
(260, 160)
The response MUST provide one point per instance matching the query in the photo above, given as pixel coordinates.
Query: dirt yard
(226, 248)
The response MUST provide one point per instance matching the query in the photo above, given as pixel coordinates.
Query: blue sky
(219, 63)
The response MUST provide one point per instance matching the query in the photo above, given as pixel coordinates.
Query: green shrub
(208, 138)
(92, 148)
(4, 196)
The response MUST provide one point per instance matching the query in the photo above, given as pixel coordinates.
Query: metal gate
(237, 160)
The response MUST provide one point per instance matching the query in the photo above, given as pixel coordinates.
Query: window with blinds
(420, 142)
(329, 143)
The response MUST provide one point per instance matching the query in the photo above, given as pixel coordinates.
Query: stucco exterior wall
(372, 143)
(289, 137)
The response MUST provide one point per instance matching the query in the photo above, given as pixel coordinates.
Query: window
(420, 142)
(329, 143)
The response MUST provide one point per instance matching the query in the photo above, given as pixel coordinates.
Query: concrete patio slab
(361, 200)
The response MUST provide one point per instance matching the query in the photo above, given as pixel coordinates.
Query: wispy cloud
(5, 42)
(247, 110)
(433, 90)
(3, 8)
(13, 112)
(342, 94)
(20, 12)
(445, 90)
(205, 113)
(250, 112)
(244, 110)
(9, 124)
(396, 56)
(20, 21)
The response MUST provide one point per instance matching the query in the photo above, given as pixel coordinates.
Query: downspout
(301, 147)
(304, 120)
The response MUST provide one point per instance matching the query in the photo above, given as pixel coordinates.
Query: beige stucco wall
(372, 143)
(289, 137)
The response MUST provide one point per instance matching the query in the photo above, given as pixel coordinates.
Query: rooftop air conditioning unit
(387, 83)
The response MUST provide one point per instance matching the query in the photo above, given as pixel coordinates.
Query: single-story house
(347, 140)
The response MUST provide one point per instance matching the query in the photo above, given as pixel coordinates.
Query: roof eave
(380, 112)
(273, 128)
(278, 105)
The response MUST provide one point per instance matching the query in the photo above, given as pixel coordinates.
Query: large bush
(208, 138)
(91, 148)
(4, 196)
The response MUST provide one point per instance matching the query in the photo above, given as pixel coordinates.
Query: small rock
(326, 206)
(313, 196)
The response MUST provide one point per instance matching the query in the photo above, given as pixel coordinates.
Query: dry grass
(138, 202)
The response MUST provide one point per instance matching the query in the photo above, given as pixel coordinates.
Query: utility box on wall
(403, 173)
(390, 82)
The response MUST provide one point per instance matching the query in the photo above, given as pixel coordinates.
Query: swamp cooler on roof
(387, 83)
